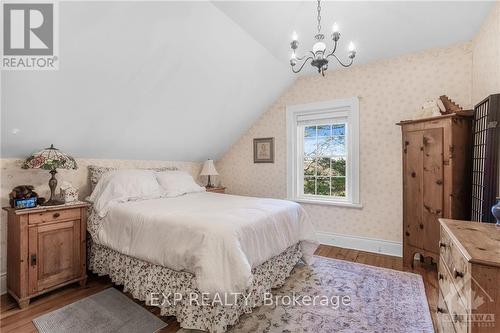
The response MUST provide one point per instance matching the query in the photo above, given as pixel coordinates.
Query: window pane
(338, 129)
(338, 167)
(323, 166)
(338, 186)
(309, 185)
(310, 146)
(324, 130)
(324, 146)
(310, 131)
(309, 167)
(323, 186)
(324, 160)
(337, 147)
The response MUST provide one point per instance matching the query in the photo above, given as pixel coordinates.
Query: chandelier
(319, 55)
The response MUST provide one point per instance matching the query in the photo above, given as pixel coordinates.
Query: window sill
(328, 203)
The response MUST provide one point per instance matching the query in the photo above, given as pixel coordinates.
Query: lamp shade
(50, 159)
(209, 169)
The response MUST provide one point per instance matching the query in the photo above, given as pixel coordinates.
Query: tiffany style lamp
(50, 159)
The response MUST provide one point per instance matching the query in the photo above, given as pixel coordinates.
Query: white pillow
(175, 183)
(124, 185)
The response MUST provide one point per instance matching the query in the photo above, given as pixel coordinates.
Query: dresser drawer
(54, 216)
(444, 323)
(449, 284)
(444, 246)
(469, 271)
(456, 263)
(454, 303)
(459, 316)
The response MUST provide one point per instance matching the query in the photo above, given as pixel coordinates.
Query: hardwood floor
(13, 319)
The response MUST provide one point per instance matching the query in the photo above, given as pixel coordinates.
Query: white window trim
(340, 108)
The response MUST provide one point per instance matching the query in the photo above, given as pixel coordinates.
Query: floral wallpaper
(389, 91)
(486, 58)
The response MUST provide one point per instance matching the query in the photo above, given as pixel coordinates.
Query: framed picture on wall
(263, 150)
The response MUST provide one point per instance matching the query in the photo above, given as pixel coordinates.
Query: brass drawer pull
(443, 245)
(56, 215)
(440, 310)
(457, 273)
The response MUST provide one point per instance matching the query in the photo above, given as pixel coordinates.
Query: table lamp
(50, 159)
(209, 170)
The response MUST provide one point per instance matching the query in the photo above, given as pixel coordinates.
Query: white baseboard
(381, 246)
(3, 283)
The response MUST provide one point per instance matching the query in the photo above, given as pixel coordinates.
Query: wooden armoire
(436, 179)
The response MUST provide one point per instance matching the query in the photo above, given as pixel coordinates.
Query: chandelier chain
(319, 16)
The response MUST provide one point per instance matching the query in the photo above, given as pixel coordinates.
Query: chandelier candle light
(319, 55)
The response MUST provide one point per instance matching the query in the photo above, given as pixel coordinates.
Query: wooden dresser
(436, 179)
(469, 277)
(46, 249)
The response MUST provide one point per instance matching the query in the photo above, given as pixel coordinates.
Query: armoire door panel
(413, 177)
(432, 187)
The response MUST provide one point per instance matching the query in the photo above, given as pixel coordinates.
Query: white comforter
(217, 237)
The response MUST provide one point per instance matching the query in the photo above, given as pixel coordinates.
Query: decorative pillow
(175, 183)
(96, 172)
(124, 185)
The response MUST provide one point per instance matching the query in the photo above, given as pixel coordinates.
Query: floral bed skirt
(159, 286)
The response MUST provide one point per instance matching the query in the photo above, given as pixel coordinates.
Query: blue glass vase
(495, 210)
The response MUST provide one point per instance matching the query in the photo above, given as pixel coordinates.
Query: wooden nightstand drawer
(54, 216)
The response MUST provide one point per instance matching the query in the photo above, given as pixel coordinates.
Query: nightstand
(46, 249)
(216, 189)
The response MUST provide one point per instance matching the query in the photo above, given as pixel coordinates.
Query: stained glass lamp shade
(50, 159)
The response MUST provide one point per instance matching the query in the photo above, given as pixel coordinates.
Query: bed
(206, 258)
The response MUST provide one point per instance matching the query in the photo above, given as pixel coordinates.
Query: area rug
(361, 298)
(108, 311)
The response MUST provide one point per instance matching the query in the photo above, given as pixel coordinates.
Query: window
(323, 152)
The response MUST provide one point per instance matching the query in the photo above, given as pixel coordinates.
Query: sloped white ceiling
(142, 80)
(379, 29)
(183, 80)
